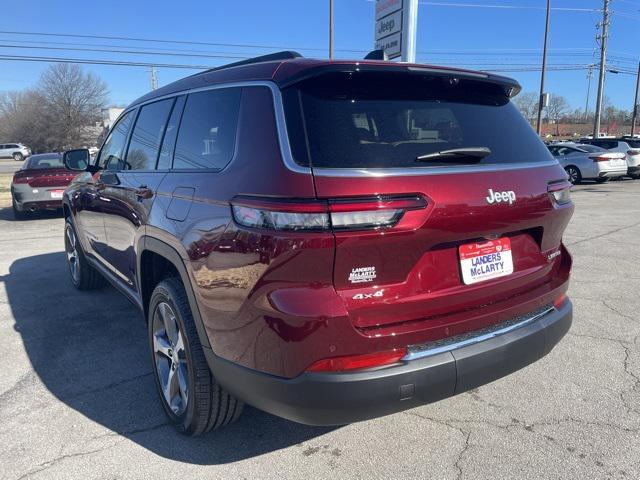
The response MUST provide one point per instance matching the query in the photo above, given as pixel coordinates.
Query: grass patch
(5, 189)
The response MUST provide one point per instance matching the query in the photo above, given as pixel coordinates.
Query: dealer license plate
(484, 261)
(56, 193)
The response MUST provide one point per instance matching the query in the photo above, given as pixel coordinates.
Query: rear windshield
(387, 120)
(52, 160)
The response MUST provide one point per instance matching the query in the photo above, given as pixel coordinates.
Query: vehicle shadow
(7, 214)
(90, 351)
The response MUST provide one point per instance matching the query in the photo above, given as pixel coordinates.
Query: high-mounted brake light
(358, 362)
(560, 192)
(368, 213)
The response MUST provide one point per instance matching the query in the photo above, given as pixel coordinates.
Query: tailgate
(413, 271)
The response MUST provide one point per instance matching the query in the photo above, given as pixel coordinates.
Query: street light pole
(603, 66)
(331, 29)
(635, 103)
(544, 69)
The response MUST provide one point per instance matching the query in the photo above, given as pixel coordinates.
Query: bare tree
(527, 103)
(558, 106)
(73, 100)
(61, 112)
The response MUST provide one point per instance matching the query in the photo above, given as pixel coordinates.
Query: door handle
(143, 193)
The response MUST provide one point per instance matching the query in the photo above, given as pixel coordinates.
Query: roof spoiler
(510, 86)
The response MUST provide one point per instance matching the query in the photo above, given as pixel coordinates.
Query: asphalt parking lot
(77, 398)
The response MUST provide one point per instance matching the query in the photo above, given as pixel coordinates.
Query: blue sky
(471, 36)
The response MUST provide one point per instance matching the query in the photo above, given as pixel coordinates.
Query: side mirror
(77, 160)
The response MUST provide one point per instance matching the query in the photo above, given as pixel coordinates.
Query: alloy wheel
(573, 174)
(71, 248)
(170, 358)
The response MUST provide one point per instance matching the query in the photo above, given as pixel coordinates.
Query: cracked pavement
(77, 398)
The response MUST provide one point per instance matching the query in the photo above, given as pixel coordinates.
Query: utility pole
(544, 70)
(635, 103)
(586, 106)
(331, 29)
(603, 66)
(153, 79)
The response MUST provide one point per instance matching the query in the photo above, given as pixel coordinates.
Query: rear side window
(147, 135)
(207, 134)
(112, 153)
(170, 134)
(387, 120)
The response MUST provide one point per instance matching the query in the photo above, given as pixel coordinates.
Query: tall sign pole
(396, 27)
(635, 104)
(331, 29)
(603, 66)
(542, 97)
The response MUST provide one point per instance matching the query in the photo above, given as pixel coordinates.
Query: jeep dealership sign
(395, 29)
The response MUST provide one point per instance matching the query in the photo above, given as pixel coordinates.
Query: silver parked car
(589, 162)
(17, 151)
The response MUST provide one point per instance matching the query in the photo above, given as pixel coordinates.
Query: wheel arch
(158, 260)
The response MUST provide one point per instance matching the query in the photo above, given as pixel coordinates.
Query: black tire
(575, 177)
(602, 180)
(85, 277)
(18, 157)
(208, 406)
(635, 176)
(17, 214)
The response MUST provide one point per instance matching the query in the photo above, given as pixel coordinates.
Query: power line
(26, 58)
(508, 7)
(157, 40)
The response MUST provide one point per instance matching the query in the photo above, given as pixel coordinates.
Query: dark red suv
(329, 241)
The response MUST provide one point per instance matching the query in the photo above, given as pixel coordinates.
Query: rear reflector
(559, 301)
(358, 362)
(368, 213)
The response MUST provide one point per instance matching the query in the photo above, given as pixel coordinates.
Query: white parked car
(589, 162)
(627, 145)
(17, 151)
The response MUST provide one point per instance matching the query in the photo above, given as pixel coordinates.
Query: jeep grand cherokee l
(329, 241)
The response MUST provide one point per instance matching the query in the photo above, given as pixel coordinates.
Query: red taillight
(358, 362)
(21, 178)
(605, 157)
(324, 215)
(560, 192)
(557, 303)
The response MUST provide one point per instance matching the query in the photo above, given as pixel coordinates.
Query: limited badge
(362, 274)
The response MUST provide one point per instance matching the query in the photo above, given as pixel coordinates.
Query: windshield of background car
(388, 119)
(44, 161)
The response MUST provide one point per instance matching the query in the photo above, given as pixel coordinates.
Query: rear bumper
(431, 375)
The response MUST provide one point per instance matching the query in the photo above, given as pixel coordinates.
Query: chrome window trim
(392, 172)
(278, 107)
(480, 338)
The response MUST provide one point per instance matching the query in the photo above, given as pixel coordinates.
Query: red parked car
(39, 184)
(329, 241)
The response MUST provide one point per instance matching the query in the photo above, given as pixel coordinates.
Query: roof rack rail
(284, 55)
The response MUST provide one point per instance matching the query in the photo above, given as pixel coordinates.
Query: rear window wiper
(473, 154)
